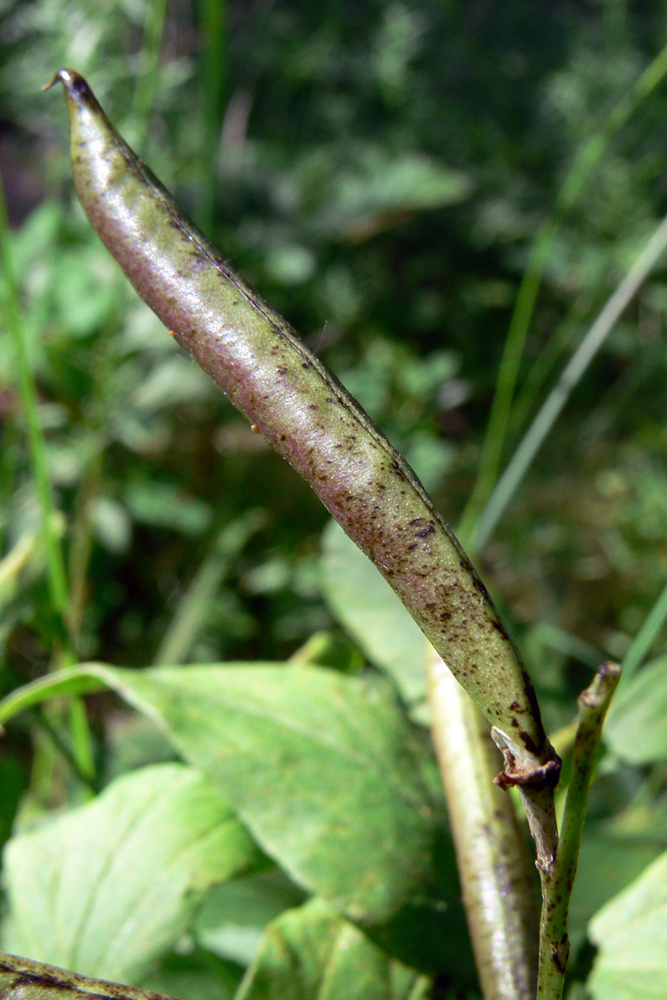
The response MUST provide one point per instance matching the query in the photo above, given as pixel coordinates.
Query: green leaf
(74, 681)
(12, 783)
(166, 505)
(312, 953)
(233, 917)
(327, 774)
(171, 383)
(631, 933)
(365, 604)
(84, 290)
(107, 887)
(378, 184)
(194, 976)
(609, 860)
(635, 728)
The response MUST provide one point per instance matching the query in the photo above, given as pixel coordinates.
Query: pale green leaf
(635, 728)
(172, 382)
(73, 681)
(194, 975)
(631, 934)
(312, 953)
(367, 607)
(233, 917)
(166, 505)
(105, 888)
(328, 776)
(321, 767)
(608, 862)
(378, 183)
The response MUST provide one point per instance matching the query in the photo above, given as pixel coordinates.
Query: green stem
(81, 543)
(63, 747)
(497, 876)
(82, 742)
(558, 883)
(585, 161)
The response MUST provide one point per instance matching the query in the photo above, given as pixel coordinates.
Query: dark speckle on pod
(304, 412)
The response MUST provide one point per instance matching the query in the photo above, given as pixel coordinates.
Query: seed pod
(302, 410)
(23, 979)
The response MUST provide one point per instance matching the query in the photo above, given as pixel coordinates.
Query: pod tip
(75, 86)
(60, 75)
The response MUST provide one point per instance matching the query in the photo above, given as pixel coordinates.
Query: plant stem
(497, 875)
(81, 543)
(558, 883)
(50, 726)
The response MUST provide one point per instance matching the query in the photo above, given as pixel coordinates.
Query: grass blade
(585, 162)
(559, 395)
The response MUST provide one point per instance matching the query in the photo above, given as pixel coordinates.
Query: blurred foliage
(378, 170)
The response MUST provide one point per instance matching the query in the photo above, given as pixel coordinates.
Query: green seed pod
(23, 979)
(302, 410)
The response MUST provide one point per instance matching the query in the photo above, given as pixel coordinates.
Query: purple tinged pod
(309, 418)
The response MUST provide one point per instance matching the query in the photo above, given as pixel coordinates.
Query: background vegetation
(379, 171)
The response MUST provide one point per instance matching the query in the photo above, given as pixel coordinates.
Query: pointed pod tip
(58, 77)
(74, 84)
